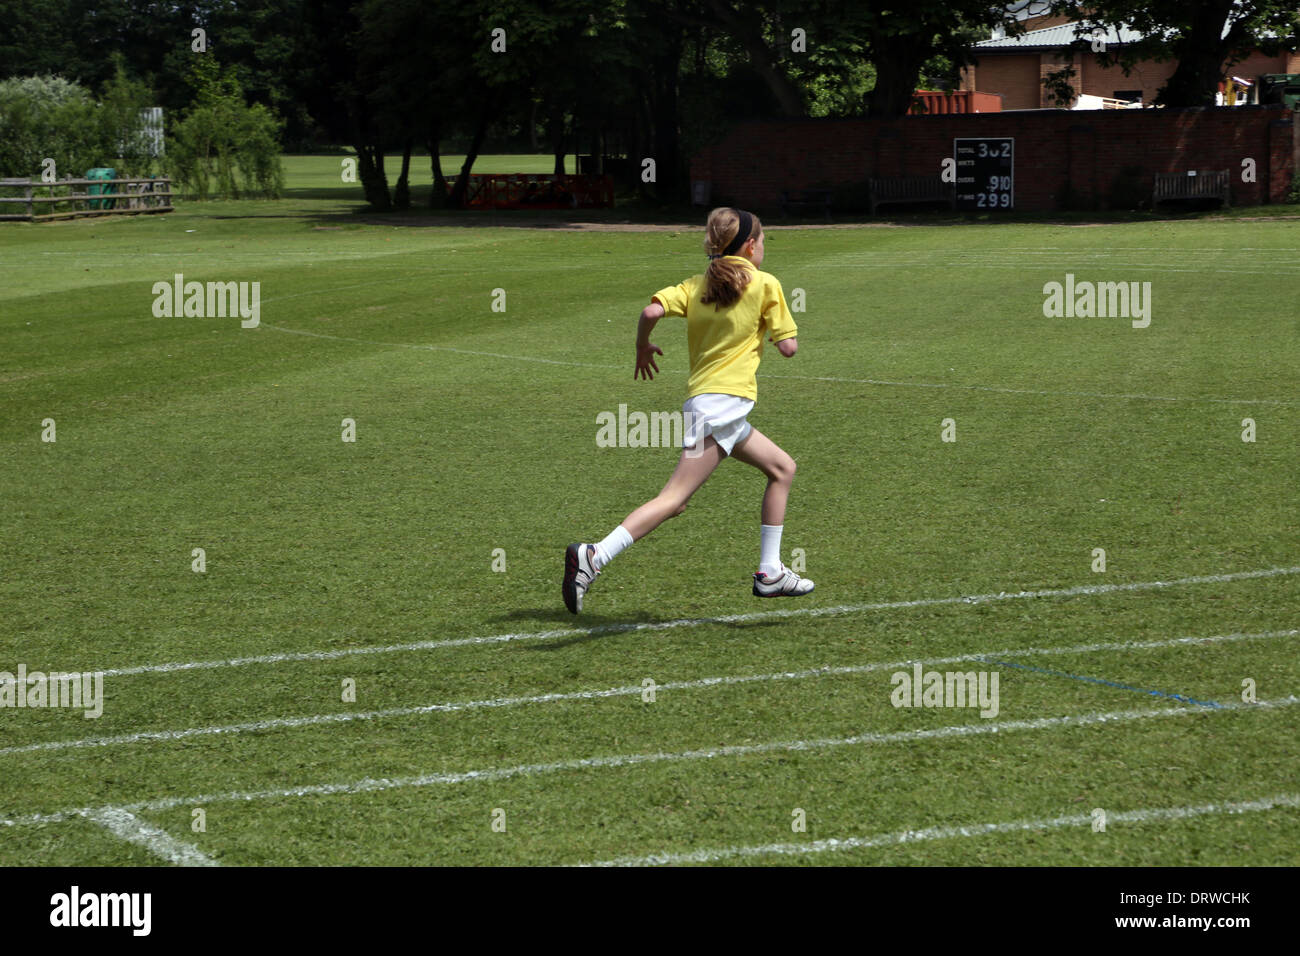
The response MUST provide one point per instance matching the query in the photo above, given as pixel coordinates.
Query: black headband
(742, 234)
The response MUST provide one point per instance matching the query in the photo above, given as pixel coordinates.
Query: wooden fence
(118, 197)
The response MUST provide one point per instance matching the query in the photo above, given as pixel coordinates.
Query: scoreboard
(986, 174)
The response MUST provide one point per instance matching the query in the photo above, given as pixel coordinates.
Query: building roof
(1058, 36)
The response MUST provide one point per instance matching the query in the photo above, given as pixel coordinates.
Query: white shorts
(722, 416)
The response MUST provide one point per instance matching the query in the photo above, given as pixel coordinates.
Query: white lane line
(284, 723)
(125, 825)
(1149, 815)
(836, 610)
(372, 785)
(438, 348)
(802, 378)
(1033, 391)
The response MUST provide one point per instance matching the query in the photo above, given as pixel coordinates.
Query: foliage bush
(49, 117)
(224, 148)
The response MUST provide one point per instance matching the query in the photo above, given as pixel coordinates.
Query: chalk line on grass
(802, 378)
(127, 826)
(285, 723)
(834, 610)
(439, 348)
(373, 785)
(1034, 391)
(1149, 815)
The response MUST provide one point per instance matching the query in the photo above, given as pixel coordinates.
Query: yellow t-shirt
(726, 344)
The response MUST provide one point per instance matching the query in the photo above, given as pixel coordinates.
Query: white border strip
(1289, 800)
(373, 785)
(284, 723)
(159, 842)
(1083, 590)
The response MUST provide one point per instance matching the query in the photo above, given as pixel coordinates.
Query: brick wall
(1148, 76)
(1015, 78)
(1060, 155)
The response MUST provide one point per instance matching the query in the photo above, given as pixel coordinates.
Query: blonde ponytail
(725, 280)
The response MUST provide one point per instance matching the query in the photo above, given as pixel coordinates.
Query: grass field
(480, 700)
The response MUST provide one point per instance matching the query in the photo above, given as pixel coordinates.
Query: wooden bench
(806, 199)
(911, 189)
(1194, 184)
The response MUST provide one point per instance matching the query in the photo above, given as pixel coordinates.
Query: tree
(39, 37)
(153, 38)
(760, 32)
(222, 135)
(122, 103)
(904, 42)
(329, 45)
(841, 36)
(48, 117)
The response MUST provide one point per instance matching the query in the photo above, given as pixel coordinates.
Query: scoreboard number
(986, 177)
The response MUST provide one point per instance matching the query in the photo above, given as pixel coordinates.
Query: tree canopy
(617, 79)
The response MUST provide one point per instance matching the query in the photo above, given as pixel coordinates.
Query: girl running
(727, 311)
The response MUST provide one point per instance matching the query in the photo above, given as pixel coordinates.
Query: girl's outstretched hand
(645, 361)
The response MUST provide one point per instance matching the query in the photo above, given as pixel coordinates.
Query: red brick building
(1015, 67)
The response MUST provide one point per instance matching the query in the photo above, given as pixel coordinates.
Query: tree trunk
(642, 136)
(1200, 52)
(667, 171)
(1195, 81)
(898, 67)
(438, 197)
(457, 197)
(370, 155)
(402, 194)
(557, 139)
(374, 182)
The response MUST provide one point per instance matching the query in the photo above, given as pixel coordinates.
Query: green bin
(101, 190)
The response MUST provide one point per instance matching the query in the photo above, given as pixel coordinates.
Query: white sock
(609, 549)
(769, 558)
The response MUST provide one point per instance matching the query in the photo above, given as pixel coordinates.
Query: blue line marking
(1108, 683)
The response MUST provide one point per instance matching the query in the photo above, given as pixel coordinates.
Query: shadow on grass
(588, 627)
(591, 627)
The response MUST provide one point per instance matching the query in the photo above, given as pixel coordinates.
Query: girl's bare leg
(765, 455)
(690, 473)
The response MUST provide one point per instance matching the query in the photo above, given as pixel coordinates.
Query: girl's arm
(645, 349)
(788, 347)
